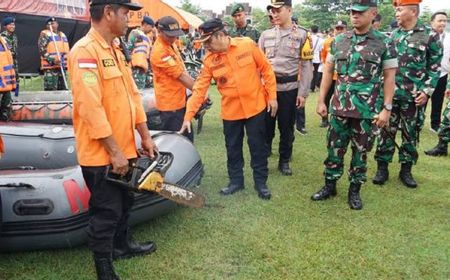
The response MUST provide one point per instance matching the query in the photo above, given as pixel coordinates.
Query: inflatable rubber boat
(44, 200)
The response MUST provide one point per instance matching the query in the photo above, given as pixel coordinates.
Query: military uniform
(247, 30)
(283, 48)
(139, 43)
(359, 61)
(419, 54)
(53, 77)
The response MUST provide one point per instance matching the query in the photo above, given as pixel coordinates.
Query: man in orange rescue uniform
(170, 77)
(107, 110)
(237, 65)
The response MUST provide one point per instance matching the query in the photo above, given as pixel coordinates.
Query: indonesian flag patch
(87, 63)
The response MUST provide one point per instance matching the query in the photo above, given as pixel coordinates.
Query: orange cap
(405, 2)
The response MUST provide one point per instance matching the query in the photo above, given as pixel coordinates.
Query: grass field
(400, 233)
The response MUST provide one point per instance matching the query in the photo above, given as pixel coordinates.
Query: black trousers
(256, 135)
(173, 120)
(317, 77)
(300, 118)
(109, 208)
(437, 100)
(286, 119)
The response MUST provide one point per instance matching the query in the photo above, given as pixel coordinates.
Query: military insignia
(89, 79)
(223, 80)
(108, 62)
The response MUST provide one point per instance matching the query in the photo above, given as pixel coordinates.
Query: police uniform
(7, 80)
(167, 67)
(50, 44)
(106, 103)
(247, 30)
(283, 48)
(237, 73)
(359, 61)
(140, 46)
(419, 54)
(13, 42)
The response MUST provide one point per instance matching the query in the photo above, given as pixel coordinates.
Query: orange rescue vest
(141, 51)
(7, 73)
(56, 42)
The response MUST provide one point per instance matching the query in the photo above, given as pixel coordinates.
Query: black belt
(286, 79)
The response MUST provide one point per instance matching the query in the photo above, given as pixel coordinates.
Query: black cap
(148, 20)
(279, 4)
(127, 3)
(341, 23)
(50, 20)
(169, 26)
(208, 28)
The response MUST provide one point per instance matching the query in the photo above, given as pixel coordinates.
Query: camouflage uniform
(6, 100)
(140, 76)
(419, 54)
(444, 129)
(53, 78)
(247, 31)
(359, 62)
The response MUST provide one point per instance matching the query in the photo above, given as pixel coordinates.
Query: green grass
(400, 233)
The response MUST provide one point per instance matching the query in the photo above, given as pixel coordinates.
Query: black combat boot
(263, 191)
(284, 168)
(406, 176)
(125, 247)
(382, 174)
(104, 268)
(441, 149)
(354, 200)
(326, 191)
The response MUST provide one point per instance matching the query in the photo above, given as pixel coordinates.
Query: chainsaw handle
(114, 178)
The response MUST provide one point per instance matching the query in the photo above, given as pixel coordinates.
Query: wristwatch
(388, 107)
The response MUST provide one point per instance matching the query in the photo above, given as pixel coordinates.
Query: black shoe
(231, 189)
(382, 174)
(105, 269)
(326, 191)
(406, 176)
(125, 247)
(263, 191)
(434, 129)
(284, 168)
(302, 131)
(354, 200)
(441, 149)
(324, 123)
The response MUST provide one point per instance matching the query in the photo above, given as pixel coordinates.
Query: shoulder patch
(87, 63)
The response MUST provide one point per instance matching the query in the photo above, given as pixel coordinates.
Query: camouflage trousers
(53, 80)
(341, 132)
(140, 77)
(410, 119)
(5, 106)
(444, 129)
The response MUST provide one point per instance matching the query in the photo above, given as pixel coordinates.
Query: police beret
(209, 27)
(148, 20)
(127, 3)
(237, 8)
(405, 2)
(169, 26)
(50, 19)
(8, 20)
(363, 5)
(279, 3)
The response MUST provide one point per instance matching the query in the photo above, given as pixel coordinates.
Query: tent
(157, 9)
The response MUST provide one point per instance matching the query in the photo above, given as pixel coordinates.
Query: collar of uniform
(94, 33)
(233, 42)
(369, 34)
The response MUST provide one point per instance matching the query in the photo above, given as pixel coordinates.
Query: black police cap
(127, 3)
(209, 27)
(169, 26)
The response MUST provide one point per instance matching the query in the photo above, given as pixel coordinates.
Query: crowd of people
(371, 85)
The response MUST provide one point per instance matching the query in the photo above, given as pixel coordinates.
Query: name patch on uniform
(243, 55)
(87, 63)
(108, 62)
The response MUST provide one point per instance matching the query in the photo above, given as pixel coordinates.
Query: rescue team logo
(89, 79)
(108, 62)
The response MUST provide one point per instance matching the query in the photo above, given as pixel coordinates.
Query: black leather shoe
(285, 169)
(441, 149)
(231, 189)
(326, 191)
(354, 199)
(125, 247)
(382, 174)
(406, 176)
(263, 191)
(105, 269)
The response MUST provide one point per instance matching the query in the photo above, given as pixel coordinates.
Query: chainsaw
(147, 175)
